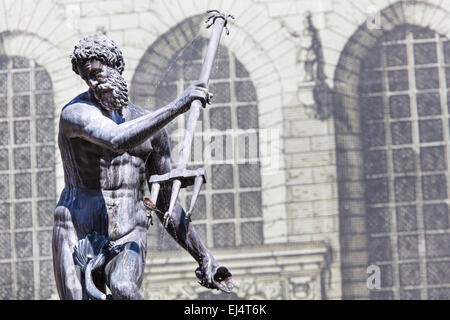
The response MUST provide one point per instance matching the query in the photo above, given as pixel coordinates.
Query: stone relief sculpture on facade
(109, 148)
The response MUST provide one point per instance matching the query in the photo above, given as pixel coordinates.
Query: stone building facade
(345, 101)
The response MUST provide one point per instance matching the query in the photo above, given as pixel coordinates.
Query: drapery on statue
(109, 149)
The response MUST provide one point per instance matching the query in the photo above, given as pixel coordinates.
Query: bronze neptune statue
(110, 148)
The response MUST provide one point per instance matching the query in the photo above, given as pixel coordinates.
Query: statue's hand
(196, 91)
(213, 276)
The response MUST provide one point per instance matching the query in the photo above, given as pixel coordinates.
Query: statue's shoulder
(79, 108)
(79, 101)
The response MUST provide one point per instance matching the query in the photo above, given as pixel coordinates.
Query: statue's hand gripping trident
(180, 177)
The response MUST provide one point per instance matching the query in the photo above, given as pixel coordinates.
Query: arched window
(405, 136)
(228, 211)
(27, 179)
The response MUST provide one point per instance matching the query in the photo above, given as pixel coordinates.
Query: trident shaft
(180, 177)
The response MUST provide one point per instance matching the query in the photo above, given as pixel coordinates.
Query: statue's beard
(112, 94)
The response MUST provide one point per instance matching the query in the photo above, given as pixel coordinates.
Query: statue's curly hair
(100, 47)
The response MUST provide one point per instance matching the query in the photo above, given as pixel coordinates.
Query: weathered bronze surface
(109, 149)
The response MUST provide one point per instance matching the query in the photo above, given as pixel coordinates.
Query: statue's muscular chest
(124, 171)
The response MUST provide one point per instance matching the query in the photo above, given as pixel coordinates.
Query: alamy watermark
(232, 146)
(373, 22)
(374, 280)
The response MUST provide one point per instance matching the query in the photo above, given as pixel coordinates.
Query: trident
(180, 177)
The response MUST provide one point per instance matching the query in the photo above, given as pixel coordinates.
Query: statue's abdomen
(123, 180)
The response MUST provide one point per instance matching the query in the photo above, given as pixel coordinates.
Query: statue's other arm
(179, 227)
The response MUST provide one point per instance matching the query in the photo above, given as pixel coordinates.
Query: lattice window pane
(375, 162)
(400, 106)
(5, 271)
(401, 132)
(430, 130)
(398, 80)
(438, 272)
(380, 249)
(24, 244)
(45, 210)
(42, 80)
(252, 233)
(387, 280)
(5, 245)
(46, 185)
(405, 189)
(45, 243)
(21, 81)
(439, 294)
(425, 53)
(409, 274)
(4, 133)
(3, 105)
(377, 190)
(45, 157)
(44, 104)
(436, 216)
(245, 91)
(25, 279)
(221, 70)
(396, 55)
(4, 216)
(221, 92)
(437, 245)
(432, 158)
(406, 218)
(23, 215)
(429, 104)
(222, 176)
(199, 211)
(250, 204)
(4, 159)
(224, 235)
(4, 186)
(403, 160)
(22, 184)
(45, 130)
(4, 62)
(22, 158)
(21, 106)
(427, 78)
(223, 205)
(20, 63)
(408, 247)
(249, 175)
(3, 83)
(434, 187)
(220, 118)
(21, 132)
(247, 117)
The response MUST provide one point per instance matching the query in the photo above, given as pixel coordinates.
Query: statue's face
(107, 84)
